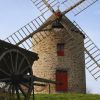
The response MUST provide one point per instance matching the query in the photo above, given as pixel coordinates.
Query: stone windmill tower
(58, 61)
(64, 48)
(61, 58)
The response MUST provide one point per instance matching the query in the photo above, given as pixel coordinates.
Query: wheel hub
(16, 78)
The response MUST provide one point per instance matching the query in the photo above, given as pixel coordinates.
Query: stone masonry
(73, 60)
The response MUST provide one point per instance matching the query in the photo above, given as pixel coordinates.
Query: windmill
(36, 30)
(91, 51)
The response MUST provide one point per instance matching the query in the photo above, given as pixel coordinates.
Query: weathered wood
(4, 46)
(72, 7)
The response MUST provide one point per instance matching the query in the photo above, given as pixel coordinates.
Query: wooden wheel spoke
(5, 79)
(11, 59)
(19, 67)
(16, 63)
(25, 69)
(10, 88)
(13, 89)
(24, 84)
(6, 64)
(22, 90)
(28, 86)
(4, 72)
(28, 91)
(17, 92)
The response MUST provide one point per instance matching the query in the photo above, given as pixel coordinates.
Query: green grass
(67, 97)
(60, 97)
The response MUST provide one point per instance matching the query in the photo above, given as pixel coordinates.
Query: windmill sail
(43, 7)
(83, 6)
(24, 36)
(92, 53)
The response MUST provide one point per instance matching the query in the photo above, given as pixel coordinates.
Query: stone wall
(72, 61)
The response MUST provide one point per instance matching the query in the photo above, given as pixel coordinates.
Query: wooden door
(62, 77)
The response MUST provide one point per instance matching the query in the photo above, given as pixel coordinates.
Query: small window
(60, 49)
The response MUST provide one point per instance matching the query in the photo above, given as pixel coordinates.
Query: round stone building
(61, 58)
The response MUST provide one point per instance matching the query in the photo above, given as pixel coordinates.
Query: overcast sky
(16, 13)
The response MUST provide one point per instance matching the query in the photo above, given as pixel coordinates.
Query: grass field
(60, 97)
(67, 97)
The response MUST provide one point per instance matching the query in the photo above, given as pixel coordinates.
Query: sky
(16, 13)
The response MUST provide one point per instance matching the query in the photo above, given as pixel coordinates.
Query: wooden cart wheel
(16, 74)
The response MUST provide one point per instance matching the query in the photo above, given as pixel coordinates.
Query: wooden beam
(72, 7)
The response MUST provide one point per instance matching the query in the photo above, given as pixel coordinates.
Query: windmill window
(60, 49)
